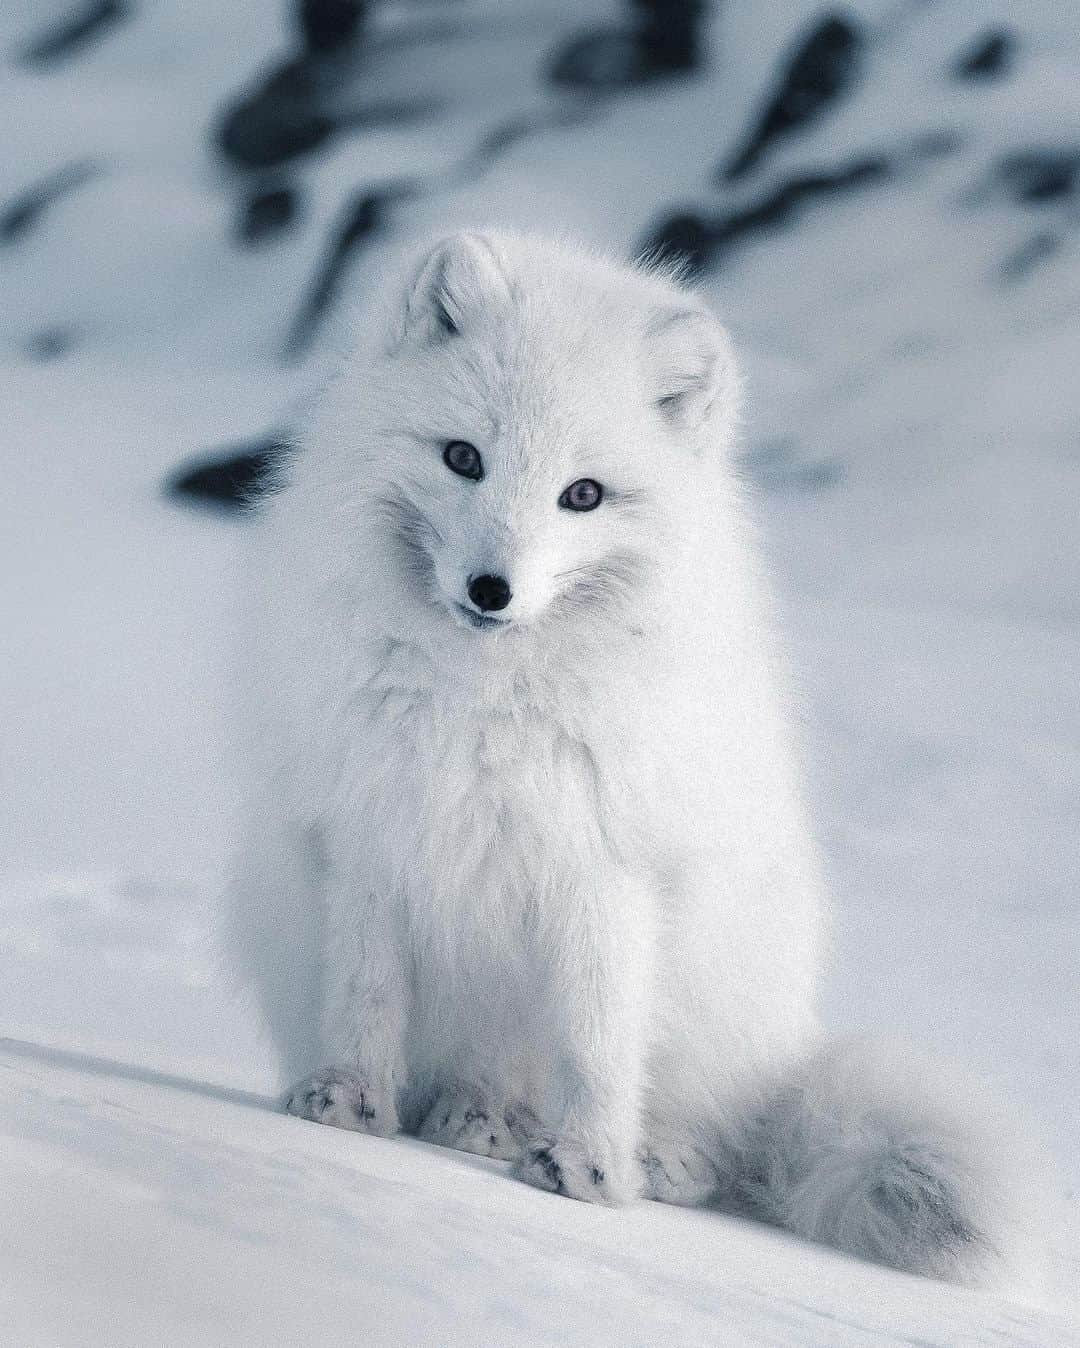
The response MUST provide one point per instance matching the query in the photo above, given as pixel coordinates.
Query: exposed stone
(266, 212)
(823, 67)
(698, 241)
(23, 211)
(361, 219)
(69, 35)
(989, 57)
(1030, 256)
(328, 25)
(662, 39)
(1036, 177)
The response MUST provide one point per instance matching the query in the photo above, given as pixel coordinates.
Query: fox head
(535, 430)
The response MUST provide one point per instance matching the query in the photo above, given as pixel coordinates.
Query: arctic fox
(526, 868)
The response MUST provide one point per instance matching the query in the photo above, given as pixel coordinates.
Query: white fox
(526, 869)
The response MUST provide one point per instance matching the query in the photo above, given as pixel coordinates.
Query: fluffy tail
(891, 1159)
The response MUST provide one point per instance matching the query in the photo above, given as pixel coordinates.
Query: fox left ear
(454, 283)
(693, 368)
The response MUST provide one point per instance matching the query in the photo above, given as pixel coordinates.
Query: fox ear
(693, 365)
(455, 282)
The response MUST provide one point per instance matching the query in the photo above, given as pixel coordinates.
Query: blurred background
(882, 200)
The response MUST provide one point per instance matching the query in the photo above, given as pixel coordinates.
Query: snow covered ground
(913, 425)
(149, 1214)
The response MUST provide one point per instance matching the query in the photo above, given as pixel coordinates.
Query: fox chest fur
(480, 800)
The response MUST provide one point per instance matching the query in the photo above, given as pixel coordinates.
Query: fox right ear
(455, 282)
(693, 367)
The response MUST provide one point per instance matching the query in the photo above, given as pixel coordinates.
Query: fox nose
(489, 592)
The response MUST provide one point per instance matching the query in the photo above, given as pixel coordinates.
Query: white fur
(549, 888)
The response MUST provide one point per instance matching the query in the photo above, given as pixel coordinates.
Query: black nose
(489, 592)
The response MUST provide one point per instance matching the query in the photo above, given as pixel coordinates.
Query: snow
(224, 1222)
(912, 425)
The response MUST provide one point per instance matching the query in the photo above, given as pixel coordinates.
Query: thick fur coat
(526, 868)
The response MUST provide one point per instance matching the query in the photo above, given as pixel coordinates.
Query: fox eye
(464, 459)
(584, 494)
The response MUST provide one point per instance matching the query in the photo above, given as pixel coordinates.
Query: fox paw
(340, 1098)
(564, 1166)
(461, 1119)
(678, 1172)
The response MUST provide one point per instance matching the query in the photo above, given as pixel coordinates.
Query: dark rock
(22, 212)
(51, 343)
(276, 123)
(232, 479)
(989, 57)
(778, 466)
(78, 30)
(669, 33)
(297, 107)
(389, 112)
(1037, 177)
(780, 206)
(503, 136)
(699, 241)
(663, 40)
(822, 68)
(935, 144)
(1029, 256)
(361, 220)
(255, 137)
(284, 118)
(266, 212)
(327, 25)
(601, 59)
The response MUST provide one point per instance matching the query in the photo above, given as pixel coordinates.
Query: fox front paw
(342, 1099)
(678, 1172)
(564, 1166)
(463, 1119)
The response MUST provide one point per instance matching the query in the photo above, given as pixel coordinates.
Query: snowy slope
(164, 1215)
(912, 426)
